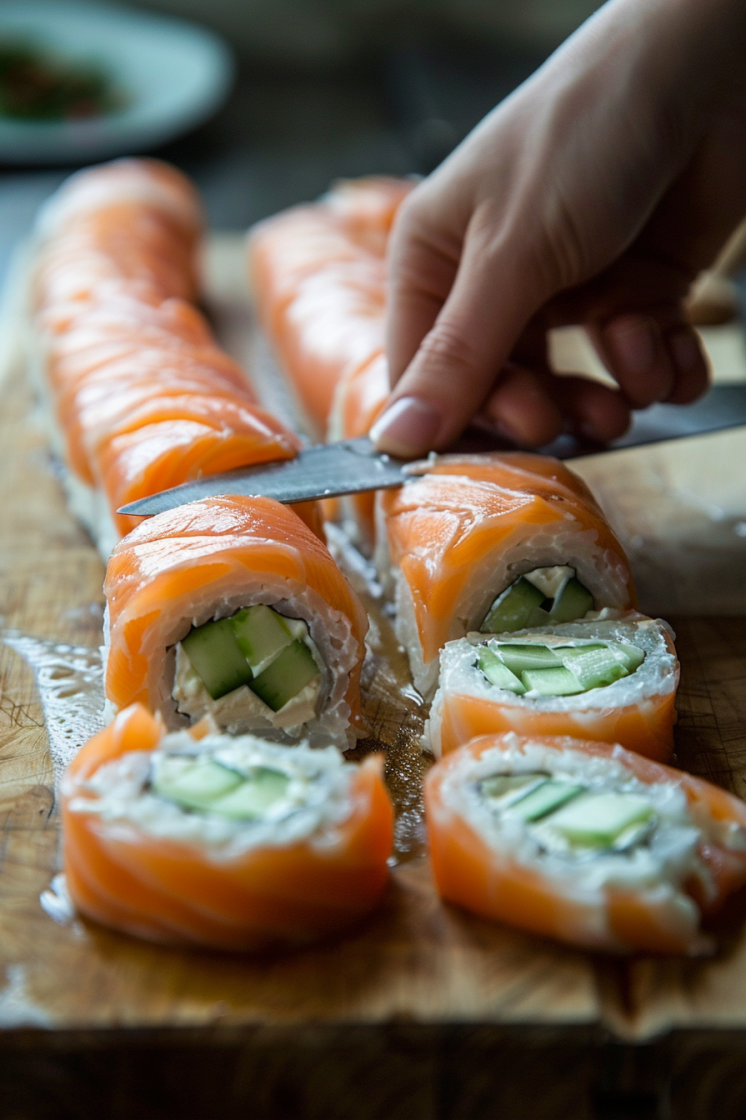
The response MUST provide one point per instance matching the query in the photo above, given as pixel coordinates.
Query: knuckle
(446, 346)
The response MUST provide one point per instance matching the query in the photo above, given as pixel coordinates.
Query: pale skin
(593, 195)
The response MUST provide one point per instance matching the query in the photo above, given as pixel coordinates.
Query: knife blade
(354, 466)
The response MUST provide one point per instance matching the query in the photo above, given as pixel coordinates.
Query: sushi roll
(495, 543)
(232, 608)
(611, 681)
(139, 396)
(233, 844)
(584, 842)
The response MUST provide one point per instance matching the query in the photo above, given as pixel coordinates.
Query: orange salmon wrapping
(142, 397)
(502, 863)
(207, 560)
(454, 539)
(136, 862)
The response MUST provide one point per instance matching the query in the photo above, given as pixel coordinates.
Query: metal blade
(353, 467)
(349, 467)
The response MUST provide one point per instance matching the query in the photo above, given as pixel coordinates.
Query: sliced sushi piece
(611, 681)
(495, 542)
(583, 842)
(232, 608)
(234, 844)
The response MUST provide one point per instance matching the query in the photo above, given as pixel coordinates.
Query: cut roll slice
(231, 843)
(584, 842)
(232, 608)
(611, 681)
(499, 542)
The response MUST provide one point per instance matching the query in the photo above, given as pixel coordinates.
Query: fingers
(653, 359)
(534, 408)
(593, 411)
(522, 408)
(636, 354)
(421, 268)
(690, 363)
(452, 372)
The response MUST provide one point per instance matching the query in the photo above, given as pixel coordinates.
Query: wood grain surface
(423, 1012)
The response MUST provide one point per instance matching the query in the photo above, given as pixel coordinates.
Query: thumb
(465, 337)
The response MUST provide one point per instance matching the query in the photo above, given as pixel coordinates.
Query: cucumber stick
(557, 670)
(207, 786)
(598, 820)
(498, 673)
(216, 657)
(512, 609)
(194, 785)
(555, 596)
(543, 800)
(573, 601)
(262, 634)
(262, 789)
(286, 676)
(256, 647)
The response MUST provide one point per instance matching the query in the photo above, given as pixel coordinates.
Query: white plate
(174, 76)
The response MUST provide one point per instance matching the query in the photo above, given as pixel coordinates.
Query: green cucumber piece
(551, 682)
(262, 789)
(497, 673)
(501, 787)
(593, 667)
(573, 601)
(195, 785)
(262, 635)
(511, 609)
(286, 676)
(544, 799)
(631, 656)
(216, 657)
(600, 820)
(519, 657)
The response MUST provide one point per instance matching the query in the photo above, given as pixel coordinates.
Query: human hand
(594, 195)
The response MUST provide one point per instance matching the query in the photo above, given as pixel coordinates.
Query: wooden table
(423, 1013)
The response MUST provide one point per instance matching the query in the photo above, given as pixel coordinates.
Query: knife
(353, 466)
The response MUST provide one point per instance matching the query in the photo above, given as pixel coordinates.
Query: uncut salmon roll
(232, 608)
(233, 844)
(318, 276)
(611, 681)
(496, 543)
(583, 842)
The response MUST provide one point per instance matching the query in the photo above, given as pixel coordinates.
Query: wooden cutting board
(422, 1012)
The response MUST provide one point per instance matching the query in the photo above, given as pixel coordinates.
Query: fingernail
(633, 342)
(685, 350)
(408, 428)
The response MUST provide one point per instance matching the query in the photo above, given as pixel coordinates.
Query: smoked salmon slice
(583, 842)
(295, 852)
